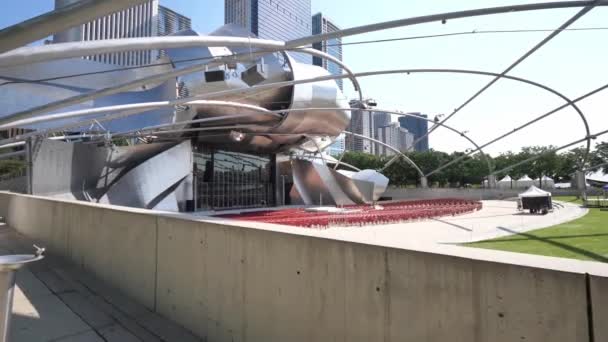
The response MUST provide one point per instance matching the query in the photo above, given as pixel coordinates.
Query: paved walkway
(497, 218)
(54, 301)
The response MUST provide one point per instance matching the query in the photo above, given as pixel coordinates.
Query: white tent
(525, 182)
(598, 178)
(535, 200)
(534, 192)
(505, 183)
(547, 183)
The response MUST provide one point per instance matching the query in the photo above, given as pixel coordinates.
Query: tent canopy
(506, 179)
(534, 192)
(547, 179)
(525, 178)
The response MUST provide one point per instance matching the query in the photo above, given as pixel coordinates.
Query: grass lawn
(584, 238)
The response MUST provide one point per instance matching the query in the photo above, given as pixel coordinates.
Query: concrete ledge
(117, 246)
(598, 293)
(228, 282)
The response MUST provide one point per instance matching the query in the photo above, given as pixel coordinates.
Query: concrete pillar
(424, 183)
(580, 181)
(492, 181)
(29, 166)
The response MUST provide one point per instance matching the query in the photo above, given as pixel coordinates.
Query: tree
(569, 163)
(600, 155)
(362, 160)
(11, 167)
(473, 169)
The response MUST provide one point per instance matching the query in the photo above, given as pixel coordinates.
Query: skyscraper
(272, 19)
(361, 122)
(417, 127)
(338, 146)
(395, 136)
(148, 19)
(379, 119)
(320, 25)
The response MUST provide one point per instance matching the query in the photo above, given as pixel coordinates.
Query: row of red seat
(390, 213)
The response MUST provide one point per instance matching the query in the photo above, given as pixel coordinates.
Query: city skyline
(490, 114)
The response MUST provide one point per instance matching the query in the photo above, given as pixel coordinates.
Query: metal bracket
(39, 250)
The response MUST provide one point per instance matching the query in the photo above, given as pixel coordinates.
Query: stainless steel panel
(147, 184)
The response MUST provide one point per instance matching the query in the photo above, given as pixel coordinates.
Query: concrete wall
(472, 194)
(115, 245)
(230, 283)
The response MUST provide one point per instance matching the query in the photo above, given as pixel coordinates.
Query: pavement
(56, 301)
(495, 219)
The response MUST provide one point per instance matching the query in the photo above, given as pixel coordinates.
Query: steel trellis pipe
(21, 138)
(510, 167)
(133, 106)
(12, 154)
(126, 110)
(553, 34)
(133, 109)
(244, 91)
(439, 17)
(407, 159)
(58, 20)
(280, 84)
(154, 129)
(162, 77)
(595, 167)
(399, 114)
(593, 92)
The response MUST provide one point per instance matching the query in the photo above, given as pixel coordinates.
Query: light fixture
(237, 136)
(438, 117)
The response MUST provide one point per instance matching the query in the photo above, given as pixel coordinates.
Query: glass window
(227, 180)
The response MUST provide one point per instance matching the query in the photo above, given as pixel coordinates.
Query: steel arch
(408, 115)
(157, 78)
(440, 17)
(399, 153)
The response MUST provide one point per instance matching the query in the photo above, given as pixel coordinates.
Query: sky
(573, 63)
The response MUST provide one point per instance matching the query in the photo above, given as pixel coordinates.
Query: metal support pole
(29, 164)
(284, 196)
(195, 190)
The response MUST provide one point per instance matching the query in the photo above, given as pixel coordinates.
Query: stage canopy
(534, 192)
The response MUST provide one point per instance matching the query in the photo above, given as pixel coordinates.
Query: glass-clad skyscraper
(320, 25)
(272, 19)
(417, 127)
(395, 136)
(148, 19)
